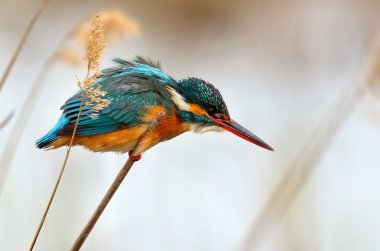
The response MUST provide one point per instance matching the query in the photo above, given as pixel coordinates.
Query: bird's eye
(211, 110)
(213, 113)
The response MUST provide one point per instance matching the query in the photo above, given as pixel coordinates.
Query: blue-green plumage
(53, 134)
(205, 94)
(131, 89)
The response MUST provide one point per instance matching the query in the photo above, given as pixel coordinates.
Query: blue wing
(130, 87)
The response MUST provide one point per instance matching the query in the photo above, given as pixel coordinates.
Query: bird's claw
(133, 157)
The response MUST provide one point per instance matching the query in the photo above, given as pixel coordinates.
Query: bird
(137, 91)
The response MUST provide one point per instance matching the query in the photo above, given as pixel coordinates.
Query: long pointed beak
(239, 130)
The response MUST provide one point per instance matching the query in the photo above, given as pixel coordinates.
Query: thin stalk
(21, 44)
(42, 221)
(99, 210)
(95, 47)
(112, 189)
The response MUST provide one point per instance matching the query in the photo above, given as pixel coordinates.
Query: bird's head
(202, 107)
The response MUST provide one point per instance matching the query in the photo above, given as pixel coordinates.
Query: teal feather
(53, 134)
(132, 86)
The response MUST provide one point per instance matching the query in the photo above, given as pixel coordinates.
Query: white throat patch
(178, 99)
(202, 129)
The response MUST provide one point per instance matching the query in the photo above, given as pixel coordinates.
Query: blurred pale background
(280, 66)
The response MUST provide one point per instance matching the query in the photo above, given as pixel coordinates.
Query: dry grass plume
(94, 50)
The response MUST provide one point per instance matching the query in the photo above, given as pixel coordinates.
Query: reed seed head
(94, 97)
(95, 45)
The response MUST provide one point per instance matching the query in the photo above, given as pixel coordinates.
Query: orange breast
(168, 128)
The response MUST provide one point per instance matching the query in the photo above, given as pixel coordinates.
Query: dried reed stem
(111, 191)
(21, 44)
(94, 50)
(7, 119)
(42, 221)
(304, 164)
(99, 210)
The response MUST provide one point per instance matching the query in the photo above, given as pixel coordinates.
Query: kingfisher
(138, 91)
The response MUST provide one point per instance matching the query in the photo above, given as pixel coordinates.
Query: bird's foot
(134, 158)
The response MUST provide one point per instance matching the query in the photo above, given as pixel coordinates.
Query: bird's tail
(53, 134)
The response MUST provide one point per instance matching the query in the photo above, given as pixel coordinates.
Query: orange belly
(126, 139)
